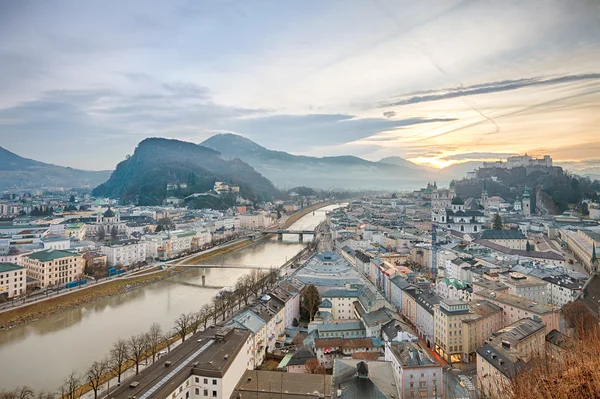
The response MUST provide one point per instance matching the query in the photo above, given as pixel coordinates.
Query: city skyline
(437, 84)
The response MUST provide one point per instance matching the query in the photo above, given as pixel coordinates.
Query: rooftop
(413, 354)
(9, 267)
(276, 385)
(359, 379)
(497, 358)
(50, 255)
(491, 234)
(519, 330)
(515, 301)
(202, 354)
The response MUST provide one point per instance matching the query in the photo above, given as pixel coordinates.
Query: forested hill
(157, 162)
(561, 188)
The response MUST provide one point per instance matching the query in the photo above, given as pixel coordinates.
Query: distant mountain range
(186, 167)
(16, 171)
(224, 157)
(340, 172)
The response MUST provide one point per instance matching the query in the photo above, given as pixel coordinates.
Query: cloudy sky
(438, 82)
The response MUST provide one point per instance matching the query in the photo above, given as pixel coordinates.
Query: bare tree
(154, 339)
(241, 287)
(94, 375)
(119, 354)
(182, 325)
(195, 321)
(137, 347)
(254, 282)
(219, 306)
(205, 313)
(69, 388)
(167, 337)
(23, 392)
(44, 395)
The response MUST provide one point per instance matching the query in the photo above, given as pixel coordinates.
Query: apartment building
(507, 353)
(125, 252)
(563, 289)
(487, 320)
(13, 280)
(53, 267)
(527, 287)
(419, 375)
(448, 317)
(516, 308)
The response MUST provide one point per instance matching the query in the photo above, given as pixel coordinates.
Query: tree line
(145, 347)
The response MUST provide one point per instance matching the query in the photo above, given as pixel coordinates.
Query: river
(41, 354)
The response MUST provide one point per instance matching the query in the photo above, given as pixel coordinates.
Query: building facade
(53, 267)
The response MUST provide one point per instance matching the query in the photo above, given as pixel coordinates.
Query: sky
(435, 82)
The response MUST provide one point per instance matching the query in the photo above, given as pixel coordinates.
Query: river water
(41, 354)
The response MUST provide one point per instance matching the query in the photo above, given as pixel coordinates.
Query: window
(206, 392)
(214, 382)
(197, 380)
(206, 381)
(187, 395)
(214, 394)
(197, 392)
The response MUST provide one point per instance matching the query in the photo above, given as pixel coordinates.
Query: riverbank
(51, 306)
(296, 216)
(58, 304)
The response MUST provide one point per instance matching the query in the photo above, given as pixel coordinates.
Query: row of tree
(144, 347)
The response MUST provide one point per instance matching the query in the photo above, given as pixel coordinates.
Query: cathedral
(456, 217)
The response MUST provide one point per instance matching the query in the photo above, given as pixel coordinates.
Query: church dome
(457, 201)
(109, 213)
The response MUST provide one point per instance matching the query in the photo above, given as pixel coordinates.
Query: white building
(254, 221)
(125, 253)
(13, 280)
(214, 367)
(168, 244)
(458, 219)
(418, 374)
(563, 289)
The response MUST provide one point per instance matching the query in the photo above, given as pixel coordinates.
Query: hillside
(340, 172)
(156, 162)
(560, 188)
(16, 171)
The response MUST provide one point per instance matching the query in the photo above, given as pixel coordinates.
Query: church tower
(484, 195)
(526, 203)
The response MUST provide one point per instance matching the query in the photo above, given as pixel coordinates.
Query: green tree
(311, 300)
(72, 199)
(497, 223)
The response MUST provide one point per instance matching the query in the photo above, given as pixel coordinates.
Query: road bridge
(281, 232)
(246, 267)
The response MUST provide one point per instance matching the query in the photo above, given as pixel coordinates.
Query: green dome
(457, 201)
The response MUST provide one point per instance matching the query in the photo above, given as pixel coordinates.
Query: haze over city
(435, 82)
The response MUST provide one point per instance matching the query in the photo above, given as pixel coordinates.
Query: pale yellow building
(53, 267)
(76, 231)
(13, 280)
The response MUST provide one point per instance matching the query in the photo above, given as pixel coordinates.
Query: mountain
(16, 171)
(340, 172)
(157, 162)
(398, 161)
(459, 170)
